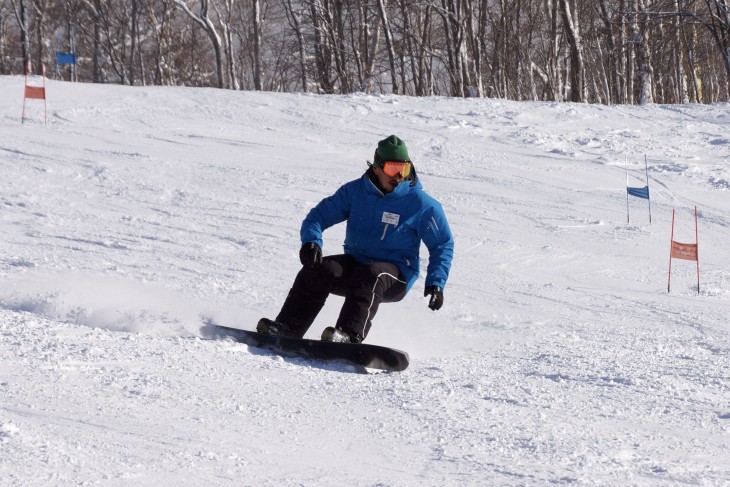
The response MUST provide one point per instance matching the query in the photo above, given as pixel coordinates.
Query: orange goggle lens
(393, 169)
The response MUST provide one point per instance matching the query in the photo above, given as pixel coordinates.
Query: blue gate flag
(65, 57)
(639, 192)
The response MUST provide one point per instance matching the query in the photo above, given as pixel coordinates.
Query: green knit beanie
(391, 149)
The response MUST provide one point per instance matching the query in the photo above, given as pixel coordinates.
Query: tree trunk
(613, 57)
(643, 54)
(423, 79)
(96, 58)
(205, 23)
(296, 23)
(577, 66)
(552, 11)
(470, 52)
(133, 42)
(678, 54)
(389, 46)
(3, 44)
(371, 40)
(337, 32)
(322, 53)
(719, 26)
(21, 14)
(257, 32)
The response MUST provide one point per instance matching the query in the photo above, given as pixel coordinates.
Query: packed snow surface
(139, 216)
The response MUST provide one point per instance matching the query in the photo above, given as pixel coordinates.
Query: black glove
(437, 297)
(310, 255)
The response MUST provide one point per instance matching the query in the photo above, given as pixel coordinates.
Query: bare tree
(295, 22)
(606, 51)
(553, 71)
(257, 33)
(204, 21)
(569, 11)
(611, 58)
(3, 37)
(717, 22)
(159, 19)
(370, 41)
(21, 15)
(388, 44)
(643, 55)
(95, 9)
(322, 48)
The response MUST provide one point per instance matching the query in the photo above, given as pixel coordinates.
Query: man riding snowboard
(388, 215)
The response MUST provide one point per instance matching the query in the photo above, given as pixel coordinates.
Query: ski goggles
(393, 169)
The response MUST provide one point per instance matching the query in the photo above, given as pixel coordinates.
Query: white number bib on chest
(390, 218)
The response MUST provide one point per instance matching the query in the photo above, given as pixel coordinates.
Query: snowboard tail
(365, 354)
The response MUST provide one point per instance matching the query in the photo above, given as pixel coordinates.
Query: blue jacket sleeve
(328, 212)
(436, 234)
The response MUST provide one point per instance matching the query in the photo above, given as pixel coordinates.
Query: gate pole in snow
(646, 168)
(638, 192)
(35, 93)
(697, 255)
(671, 248)
(626, 164)
(683, 251)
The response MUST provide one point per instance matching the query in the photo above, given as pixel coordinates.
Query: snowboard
(364, 354)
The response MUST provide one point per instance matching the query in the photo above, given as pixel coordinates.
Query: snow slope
(137, 215)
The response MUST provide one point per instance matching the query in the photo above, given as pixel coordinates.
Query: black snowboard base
(364, 354)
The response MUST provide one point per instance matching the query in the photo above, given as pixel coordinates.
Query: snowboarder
(388, 215)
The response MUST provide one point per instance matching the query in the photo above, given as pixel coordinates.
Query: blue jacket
(387, 227)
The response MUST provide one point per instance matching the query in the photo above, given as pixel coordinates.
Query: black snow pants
(364, 287)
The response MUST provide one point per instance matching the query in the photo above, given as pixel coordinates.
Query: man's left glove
(437, 297)
(310, 255)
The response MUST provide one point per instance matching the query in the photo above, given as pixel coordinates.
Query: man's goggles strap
(394, 168)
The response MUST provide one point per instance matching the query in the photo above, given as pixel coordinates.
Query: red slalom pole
(671, 239)
(697, 240)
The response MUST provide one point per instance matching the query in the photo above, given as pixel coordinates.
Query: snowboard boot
(271, 327)
(332, 334)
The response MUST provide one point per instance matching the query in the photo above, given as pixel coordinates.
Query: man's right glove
(437, 297)
(310, 255)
